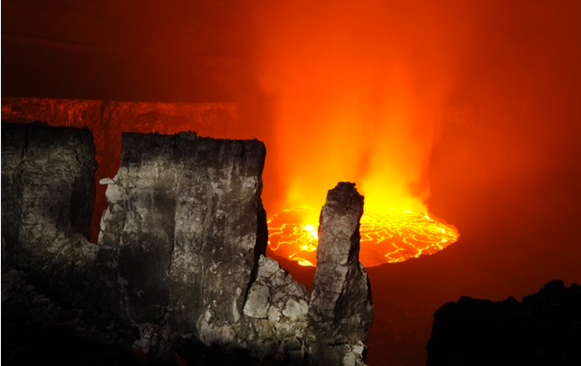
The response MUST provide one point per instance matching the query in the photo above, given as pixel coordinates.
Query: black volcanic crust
(542, 329)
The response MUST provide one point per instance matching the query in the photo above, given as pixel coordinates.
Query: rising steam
(357, 88)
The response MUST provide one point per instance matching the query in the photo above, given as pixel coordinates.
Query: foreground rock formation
(47, 196)
(183, 229)
(542, 329)
(180, 262)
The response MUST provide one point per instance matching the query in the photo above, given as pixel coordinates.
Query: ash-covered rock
(47, 200)
(341, 308)
(182, 234)
(542, 329)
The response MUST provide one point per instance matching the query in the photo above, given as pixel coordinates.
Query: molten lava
(386, 236)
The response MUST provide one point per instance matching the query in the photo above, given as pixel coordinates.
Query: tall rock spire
(341, 308)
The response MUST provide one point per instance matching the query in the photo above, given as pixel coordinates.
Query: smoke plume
(357, 88)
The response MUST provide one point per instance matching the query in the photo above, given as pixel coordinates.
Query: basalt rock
(47, 196)
(182, 244)
(542, 329)
(341, 308)
(183, 230)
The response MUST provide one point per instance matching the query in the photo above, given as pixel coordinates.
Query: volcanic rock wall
(181, 247)
(183, 232)
(47, 196)
(182, 226)
(108, 119)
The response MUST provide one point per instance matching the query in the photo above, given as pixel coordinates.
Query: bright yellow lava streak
(386, 237)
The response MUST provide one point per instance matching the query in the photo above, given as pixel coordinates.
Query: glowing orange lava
(386, 236)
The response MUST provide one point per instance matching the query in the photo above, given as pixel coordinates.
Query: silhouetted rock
(341, 308)
(47, 196)
(542, 329)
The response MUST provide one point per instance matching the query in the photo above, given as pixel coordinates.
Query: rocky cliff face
(181, 248)
(542, 329)
(182, 232)
(47, 195)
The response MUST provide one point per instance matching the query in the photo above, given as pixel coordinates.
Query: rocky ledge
(179, 270)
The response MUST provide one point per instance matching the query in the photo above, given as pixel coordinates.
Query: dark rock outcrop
(180, 262)
(341, 308)
(182, 244)
(47, 196)
(183, 230)
(37, 330)
(542, 329)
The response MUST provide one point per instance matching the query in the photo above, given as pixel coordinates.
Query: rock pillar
(341, 308)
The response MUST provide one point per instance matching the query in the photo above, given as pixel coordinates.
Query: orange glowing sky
(353, 100)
